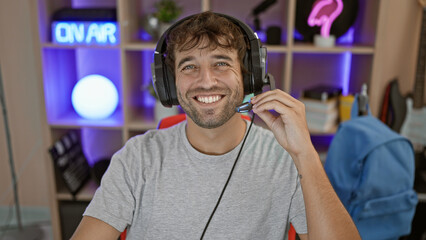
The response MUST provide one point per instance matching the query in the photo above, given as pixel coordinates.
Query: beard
(211, 117)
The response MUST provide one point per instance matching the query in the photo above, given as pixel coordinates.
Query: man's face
(209, 84)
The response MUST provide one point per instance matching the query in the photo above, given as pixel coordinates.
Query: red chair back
(175, 119)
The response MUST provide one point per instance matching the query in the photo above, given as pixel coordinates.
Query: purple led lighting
(346, 61)
(145, 36)
(262, 36)
(346, 72)
(297, 35)
(99, 144)
(347, 38)
(69, 65)
(148, 100)
(323, 14)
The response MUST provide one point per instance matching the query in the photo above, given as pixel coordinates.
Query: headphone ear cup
(255, 63)
(171, 82)
(159, 80)
(247, 75)
(163, 81)
(258, 67)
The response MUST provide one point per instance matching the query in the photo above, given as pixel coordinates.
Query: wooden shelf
(298, 48)
(142, 126)
(310, 48)
(140, 46)
(72, 120)
(276, 48)
(59, 46)
(70, 127)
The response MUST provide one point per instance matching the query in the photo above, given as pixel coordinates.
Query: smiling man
(165, 184)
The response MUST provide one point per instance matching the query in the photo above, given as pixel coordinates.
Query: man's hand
(326, 216)
(289, 126)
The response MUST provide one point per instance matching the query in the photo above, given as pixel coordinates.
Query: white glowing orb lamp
(94, 97)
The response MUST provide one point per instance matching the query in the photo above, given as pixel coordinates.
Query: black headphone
(254, 61)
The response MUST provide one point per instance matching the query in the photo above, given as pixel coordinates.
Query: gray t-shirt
(160, 187)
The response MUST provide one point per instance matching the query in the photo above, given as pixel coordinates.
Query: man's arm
(93, 228)
(326, 216)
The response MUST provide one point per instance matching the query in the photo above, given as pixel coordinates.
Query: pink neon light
(323, 14)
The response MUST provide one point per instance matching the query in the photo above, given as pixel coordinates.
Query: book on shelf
(315, 105)
(322, 92)
(322, 121)
(322, 112)
(323, 117)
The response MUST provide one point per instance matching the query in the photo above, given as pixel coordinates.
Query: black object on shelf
(322, 92)
(70, 214)
(99, 168)
(273, 35)
(86, 14)
(263, 6)
(69, 159)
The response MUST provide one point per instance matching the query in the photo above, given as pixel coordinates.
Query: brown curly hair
(217, 30)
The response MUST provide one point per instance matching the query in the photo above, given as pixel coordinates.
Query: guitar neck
(421, 60)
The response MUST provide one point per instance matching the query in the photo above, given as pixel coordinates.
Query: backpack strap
(355, 107)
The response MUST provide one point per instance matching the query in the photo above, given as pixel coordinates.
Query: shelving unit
(295, 66)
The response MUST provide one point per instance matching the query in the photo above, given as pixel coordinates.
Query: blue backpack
(372, 171)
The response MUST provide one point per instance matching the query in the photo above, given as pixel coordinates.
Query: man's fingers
(273, 104)
(276, 94)
(266, 116)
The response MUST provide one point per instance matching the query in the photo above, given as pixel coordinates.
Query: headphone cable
(229, 178)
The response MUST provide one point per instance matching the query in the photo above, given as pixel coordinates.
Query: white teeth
(209, 99)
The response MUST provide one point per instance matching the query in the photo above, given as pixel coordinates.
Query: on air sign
(85, 33)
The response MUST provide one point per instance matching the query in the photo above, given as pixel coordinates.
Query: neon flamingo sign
(323, 14)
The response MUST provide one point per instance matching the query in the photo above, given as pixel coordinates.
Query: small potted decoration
(167, 11)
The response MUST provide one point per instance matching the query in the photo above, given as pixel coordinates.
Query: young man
(165, 184)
